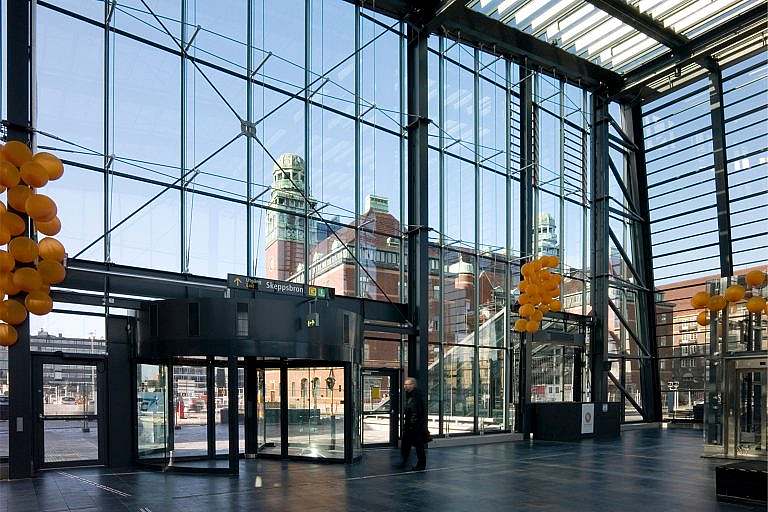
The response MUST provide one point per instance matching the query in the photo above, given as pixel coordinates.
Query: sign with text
(279, 287)
(587, 418)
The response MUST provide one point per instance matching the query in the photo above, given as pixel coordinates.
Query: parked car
(68, 400)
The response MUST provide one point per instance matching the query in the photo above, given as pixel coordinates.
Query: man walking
(414, 426)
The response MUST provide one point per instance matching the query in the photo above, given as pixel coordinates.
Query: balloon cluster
(539, 290)
(21, 173)
(734, 293)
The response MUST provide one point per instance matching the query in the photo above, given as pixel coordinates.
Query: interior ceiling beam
(641, 22)
(718, 37)
(454, 19)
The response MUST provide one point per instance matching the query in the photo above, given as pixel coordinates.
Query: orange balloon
(3, 209)
(520, 324)
(523, 286)
(17, 197)
(531, 326)
(34, 174)
(734, 293)
(46, 288)
(13, 223)
(5, 235)
(716, 303)
(51, 249)
(27, 279)
(51, 272)
(699, 300)
(702, 318)
(555, 305)
(526, 310)
(40, 207)
(17, 153)
(39, 303)
(12, 312)
(7, 284)
(544, 308)
(50, 228)
(755, 278)
(524, 299)
(51, 163)
(755, 304)
(9, 175)
(23, 249)
(7, 263)
(8, 335)
(2, 189)
(527, 269)
(537, 315)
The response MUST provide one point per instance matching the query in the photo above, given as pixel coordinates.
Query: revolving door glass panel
(316, 412)
(151, 413)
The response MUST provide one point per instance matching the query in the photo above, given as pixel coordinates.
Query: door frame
(100, 362)
(283, 365)
(395, 375)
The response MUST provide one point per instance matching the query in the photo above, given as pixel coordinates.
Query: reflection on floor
(646, 470)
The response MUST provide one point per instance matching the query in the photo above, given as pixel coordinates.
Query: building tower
(284, 250)
(547, 243)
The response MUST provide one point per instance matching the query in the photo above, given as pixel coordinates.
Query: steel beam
(480, 31)
(20, 84)
(717, 116)
(527, 168)
(418, 207)
(636, 79)
(600, 264)
(629, 15)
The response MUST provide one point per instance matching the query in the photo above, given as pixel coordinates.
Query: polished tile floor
(647, 470)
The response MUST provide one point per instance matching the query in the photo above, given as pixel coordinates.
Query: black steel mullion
(20, 80)
(418, 206)
(599, 204)
(719, 145)
(210, 389)
(527, 157)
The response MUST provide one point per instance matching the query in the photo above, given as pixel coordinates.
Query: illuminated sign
(279, 287)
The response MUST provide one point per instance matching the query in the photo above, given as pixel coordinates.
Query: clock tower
(284, 250)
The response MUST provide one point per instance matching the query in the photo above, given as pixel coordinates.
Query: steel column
(527, 158)
(233, 396)
(642, 250)
(721, 169)
(598, 360)
(418, 208)
(20, 71)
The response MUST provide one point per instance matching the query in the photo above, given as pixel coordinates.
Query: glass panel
(316, 417)
(459, 393)
(190, 435)
(70, 427)
(221, 416)
(269, 412)
(382, 354)
(751, 420)
(377, 406)
(491, 392)
(152, 397)
(71, 333)
(551, 373)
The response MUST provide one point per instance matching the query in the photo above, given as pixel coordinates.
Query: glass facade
(681, 159)
(274, 145)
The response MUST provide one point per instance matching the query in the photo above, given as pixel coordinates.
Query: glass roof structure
(619, 35)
